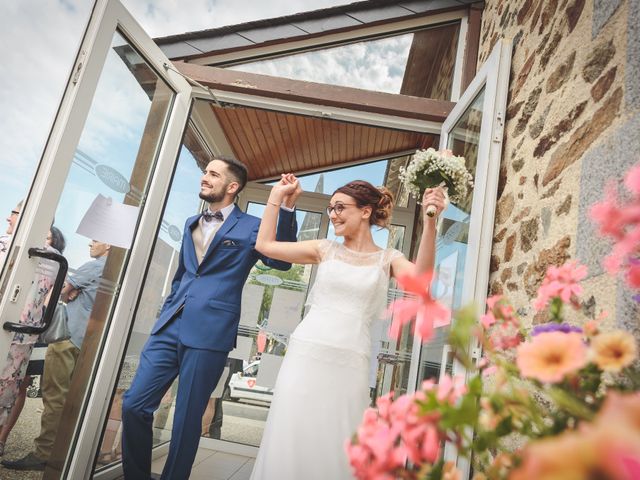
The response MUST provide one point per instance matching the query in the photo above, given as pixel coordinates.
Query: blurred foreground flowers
(560, 401)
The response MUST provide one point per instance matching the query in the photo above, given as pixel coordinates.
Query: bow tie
(208, 216)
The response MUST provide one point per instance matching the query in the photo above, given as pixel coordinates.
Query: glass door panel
(92, 196)
(452, 242)
(474, 130)
(272, 306)
(182, 203)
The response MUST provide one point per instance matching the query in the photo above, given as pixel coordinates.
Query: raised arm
(267, 244)
(425, 260)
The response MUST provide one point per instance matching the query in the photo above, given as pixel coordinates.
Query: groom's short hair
(236, 169)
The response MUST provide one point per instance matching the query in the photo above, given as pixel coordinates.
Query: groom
(198, 322)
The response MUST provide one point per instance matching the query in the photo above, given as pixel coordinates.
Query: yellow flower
(613, 350)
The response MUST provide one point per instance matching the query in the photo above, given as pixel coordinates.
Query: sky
(40, 39)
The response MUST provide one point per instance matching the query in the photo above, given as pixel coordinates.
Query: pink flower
(549, 357)
(448, 389)
(561, 282)
(429, 313)
(607, 213)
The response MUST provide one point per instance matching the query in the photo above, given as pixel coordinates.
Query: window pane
(377, 65)
(452, 241)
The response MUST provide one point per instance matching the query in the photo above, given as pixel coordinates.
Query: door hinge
(497, 137)
(15, 293)
(79, 66)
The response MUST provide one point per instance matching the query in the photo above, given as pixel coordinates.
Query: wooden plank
(350, 148)
(301, 141)
(318, 94)
(251, 124)
(272, 155)
(298, 163)
(281, 134)
(326, 133)
(317, 126)
(234, 140)
(310, 141)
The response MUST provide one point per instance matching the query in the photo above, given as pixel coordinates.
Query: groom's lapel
(228, 224)
(189, 246)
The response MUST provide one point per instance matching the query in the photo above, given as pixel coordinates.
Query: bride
(322, 389)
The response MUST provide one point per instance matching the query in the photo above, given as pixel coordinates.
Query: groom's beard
(214, 197)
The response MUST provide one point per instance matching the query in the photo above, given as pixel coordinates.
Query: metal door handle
(55, 293)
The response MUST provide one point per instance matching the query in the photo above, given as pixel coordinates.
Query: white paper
(251, 302)
(286, 311)
(243, 348)
(268, 371)
(108, 221)
(217, 392)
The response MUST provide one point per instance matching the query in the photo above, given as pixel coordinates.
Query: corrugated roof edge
(268, 22)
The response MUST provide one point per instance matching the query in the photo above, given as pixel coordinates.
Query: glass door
(474, 130)
(91, 212)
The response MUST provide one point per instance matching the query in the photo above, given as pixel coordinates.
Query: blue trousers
(162, 359)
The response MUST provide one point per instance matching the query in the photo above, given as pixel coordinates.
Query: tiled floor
(213, 465)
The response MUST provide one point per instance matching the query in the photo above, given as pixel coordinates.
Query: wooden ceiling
(270, 143)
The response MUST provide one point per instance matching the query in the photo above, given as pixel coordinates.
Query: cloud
(167, 17)
(40, 39)
(374, 65)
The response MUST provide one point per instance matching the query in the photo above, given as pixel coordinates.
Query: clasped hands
(286, 191)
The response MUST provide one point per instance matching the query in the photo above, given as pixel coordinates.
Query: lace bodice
(349, 293)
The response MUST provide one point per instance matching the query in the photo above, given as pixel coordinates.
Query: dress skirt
(319, 398)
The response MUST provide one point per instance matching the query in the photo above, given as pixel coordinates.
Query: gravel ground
(21, 440)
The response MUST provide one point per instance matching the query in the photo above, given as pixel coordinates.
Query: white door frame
(108, 16)
(493, 77)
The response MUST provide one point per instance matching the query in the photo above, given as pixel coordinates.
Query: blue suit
(196, 330)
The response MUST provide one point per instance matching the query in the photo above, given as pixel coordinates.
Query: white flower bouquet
(431, 168)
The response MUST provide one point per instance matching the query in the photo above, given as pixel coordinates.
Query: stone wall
(573, 124)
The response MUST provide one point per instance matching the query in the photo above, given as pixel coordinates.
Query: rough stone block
(602, 86)
(597, 170)
(602, 11)
(567, 153)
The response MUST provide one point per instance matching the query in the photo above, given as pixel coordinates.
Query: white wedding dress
(322, 389)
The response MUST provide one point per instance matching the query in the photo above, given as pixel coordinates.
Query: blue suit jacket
(210, 294)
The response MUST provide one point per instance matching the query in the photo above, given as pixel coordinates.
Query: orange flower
(613, 350)
(608, 448)
(549, 356)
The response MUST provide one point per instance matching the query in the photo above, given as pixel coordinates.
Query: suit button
(197, 275)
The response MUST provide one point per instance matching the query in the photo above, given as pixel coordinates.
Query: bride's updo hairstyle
(380, 199)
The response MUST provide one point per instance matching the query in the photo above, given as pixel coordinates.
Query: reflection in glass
(182, 202)
(115, 158)
(452, 241)
(272, 306)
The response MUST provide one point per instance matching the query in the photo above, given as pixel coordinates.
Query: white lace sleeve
(390, 255)
(324, 247)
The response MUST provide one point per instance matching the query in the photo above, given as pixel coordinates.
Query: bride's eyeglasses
(338, 208)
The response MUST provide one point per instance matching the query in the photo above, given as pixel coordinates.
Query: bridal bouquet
(430, 168)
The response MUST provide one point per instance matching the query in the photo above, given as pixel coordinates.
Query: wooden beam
(472, 45)
(355, 99)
